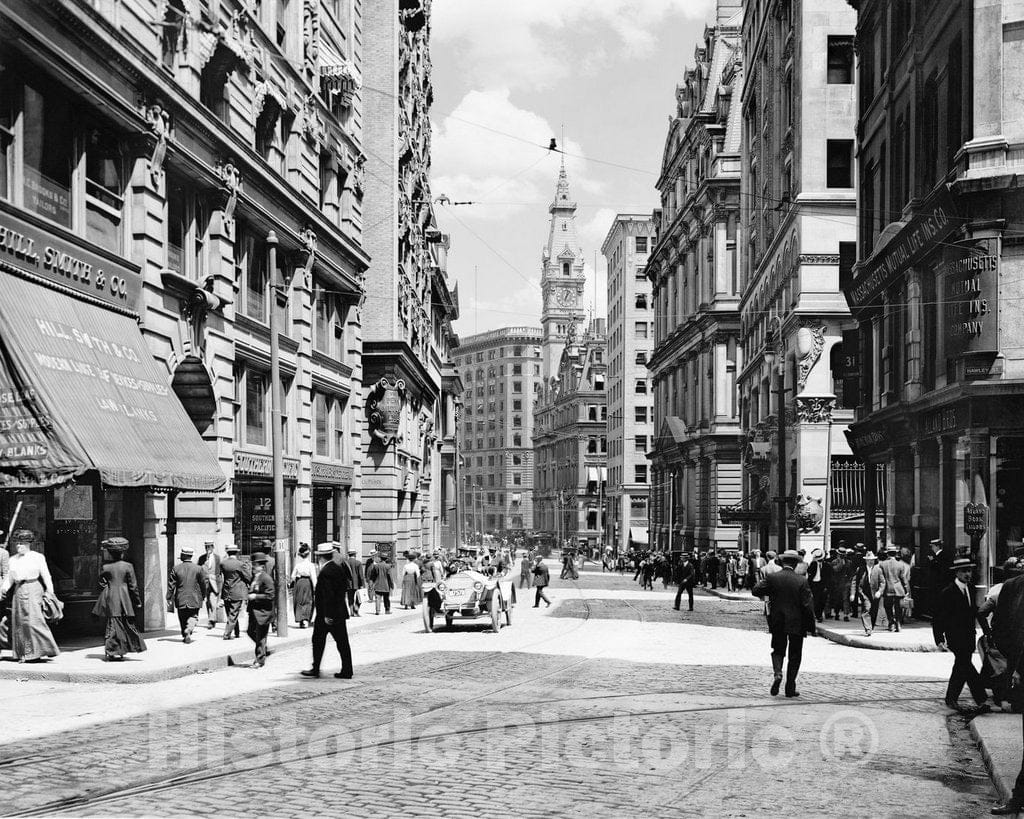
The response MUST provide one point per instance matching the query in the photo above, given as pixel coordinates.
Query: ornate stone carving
(815, 410)
(154, 141)
(809, 513)
(232, 182)
(384, 407)
(818, 258)
(358, 175)
(310, 125)
(310, 33)
(810, 341)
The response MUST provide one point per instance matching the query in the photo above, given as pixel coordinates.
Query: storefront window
(254, 514)
(1009, 481)
(6, 137)
(48, 152)
(320, 420)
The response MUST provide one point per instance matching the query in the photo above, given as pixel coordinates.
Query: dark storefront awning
(80, 391)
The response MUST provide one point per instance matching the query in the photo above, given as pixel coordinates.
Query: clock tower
(562, 277)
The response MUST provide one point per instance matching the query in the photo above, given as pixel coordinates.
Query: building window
(641, 357)
(640, 329)
(641, 386)
(641, 301)
(840, 60)
(251, 260)
(104, 188)
(641, 244)
(48, 153)
(566, 269)
(641, 275)
(517, 460)
(640, 443)
(255, 408)
(517, 479)
(517, 386)
(640, 473)
(517, 405)
(839, 158)
(321, 424)
(213, 83)
(187, 222)
(640, 414)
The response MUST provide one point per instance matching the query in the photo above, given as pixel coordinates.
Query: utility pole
(276, 442)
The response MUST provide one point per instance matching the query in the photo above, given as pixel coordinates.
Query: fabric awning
(591, 474)
(604, 474)
(80, 391)
(638, 535)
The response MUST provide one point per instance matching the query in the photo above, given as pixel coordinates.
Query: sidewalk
(742, 594)
(999, 739)
(916, 636)
(166, 657)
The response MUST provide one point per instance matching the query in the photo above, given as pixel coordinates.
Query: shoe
(889, 627)
(310, 672)
(228, 637)
(549, 604)
(1008, 808)
(257, 664)
(675, 608)
(846, 619)
(792, 692)
(867, 632)
(776, 684)
(984, 708)
(537, 606)
(187, 639)
(342, 676)
(952, 704)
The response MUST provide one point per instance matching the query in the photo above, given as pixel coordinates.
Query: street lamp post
(770, 357)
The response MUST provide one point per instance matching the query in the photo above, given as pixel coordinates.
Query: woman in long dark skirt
(303, 583)
(119, 600)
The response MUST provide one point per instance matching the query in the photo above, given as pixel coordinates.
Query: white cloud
(523, 44)
(505, 165)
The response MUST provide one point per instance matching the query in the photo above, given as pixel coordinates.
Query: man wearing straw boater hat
(332, 584)
(186, 591)
(235, 577)
(953, 624)
(261, 595)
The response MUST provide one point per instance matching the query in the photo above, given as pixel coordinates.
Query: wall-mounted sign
(384, 409)
(262, 466)
(975, 519)
(969, 276)
(51, 253)
(332, 473)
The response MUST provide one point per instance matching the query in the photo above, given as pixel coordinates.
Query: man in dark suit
(1008, 636)
(261, 597)
(235, 577)
(210, 562)
(332, 585)
(790, 618)
(186, 591)
(686, 576)
(953, 625)
(938, 562)
(358, 578)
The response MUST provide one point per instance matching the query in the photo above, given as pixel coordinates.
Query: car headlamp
(441, 587)
(478, 586)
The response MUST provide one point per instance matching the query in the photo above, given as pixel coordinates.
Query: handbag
(907, 604)
(363, 596)
(53, 609)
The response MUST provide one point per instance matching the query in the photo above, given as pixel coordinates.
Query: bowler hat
(325, 548)
(962, 563)
(115, 544)
(260, 557)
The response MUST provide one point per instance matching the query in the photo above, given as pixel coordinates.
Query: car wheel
(496, 613)
(508, 613)
(428, 616)
(449, 619)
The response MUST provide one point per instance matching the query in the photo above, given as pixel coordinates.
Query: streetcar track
(180, 780)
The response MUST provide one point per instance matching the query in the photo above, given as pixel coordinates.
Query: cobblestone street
(607, 704)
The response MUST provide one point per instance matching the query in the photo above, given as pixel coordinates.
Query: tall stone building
(171, 176)
(501, 371)
(694, 269)
(570, 444)
(799, 225)
(630, 410)
(936, 290)
(411, 385)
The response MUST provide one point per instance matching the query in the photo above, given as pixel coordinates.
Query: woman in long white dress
(28, 578)
(412, 591)
(303, 587)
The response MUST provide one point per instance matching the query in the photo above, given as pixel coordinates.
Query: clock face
(566, 298)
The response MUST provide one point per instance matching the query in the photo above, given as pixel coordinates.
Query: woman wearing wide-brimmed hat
(118, 602)
(27, 581)
(303, 584)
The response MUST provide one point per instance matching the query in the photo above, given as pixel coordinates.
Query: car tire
(449, 619)
(495, 607)
(508, 613)
(428, 617)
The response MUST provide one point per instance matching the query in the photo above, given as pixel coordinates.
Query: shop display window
(1009, 501)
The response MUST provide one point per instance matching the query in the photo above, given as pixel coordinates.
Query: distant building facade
(799, 198)
(695, 272)
(411, 386)
(501, 373)
(570, 444)
(936, 290)
(630, 240)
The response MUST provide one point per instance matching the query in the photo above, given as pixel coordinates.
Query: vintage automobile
(469, 593)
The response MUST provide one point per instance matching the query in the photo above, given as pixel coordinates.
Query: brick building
(630, 239)
(501, 372)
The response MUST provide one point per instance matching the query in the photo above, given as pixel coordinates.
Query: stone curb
(125, 674)
(997, 736)
(727, 595)
(860, 641)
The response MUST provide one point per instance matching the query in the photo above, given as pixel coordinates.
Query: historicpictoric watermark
(664, 741)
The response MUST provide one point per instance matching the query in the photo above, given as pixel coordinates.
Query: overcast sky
(507, 77)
